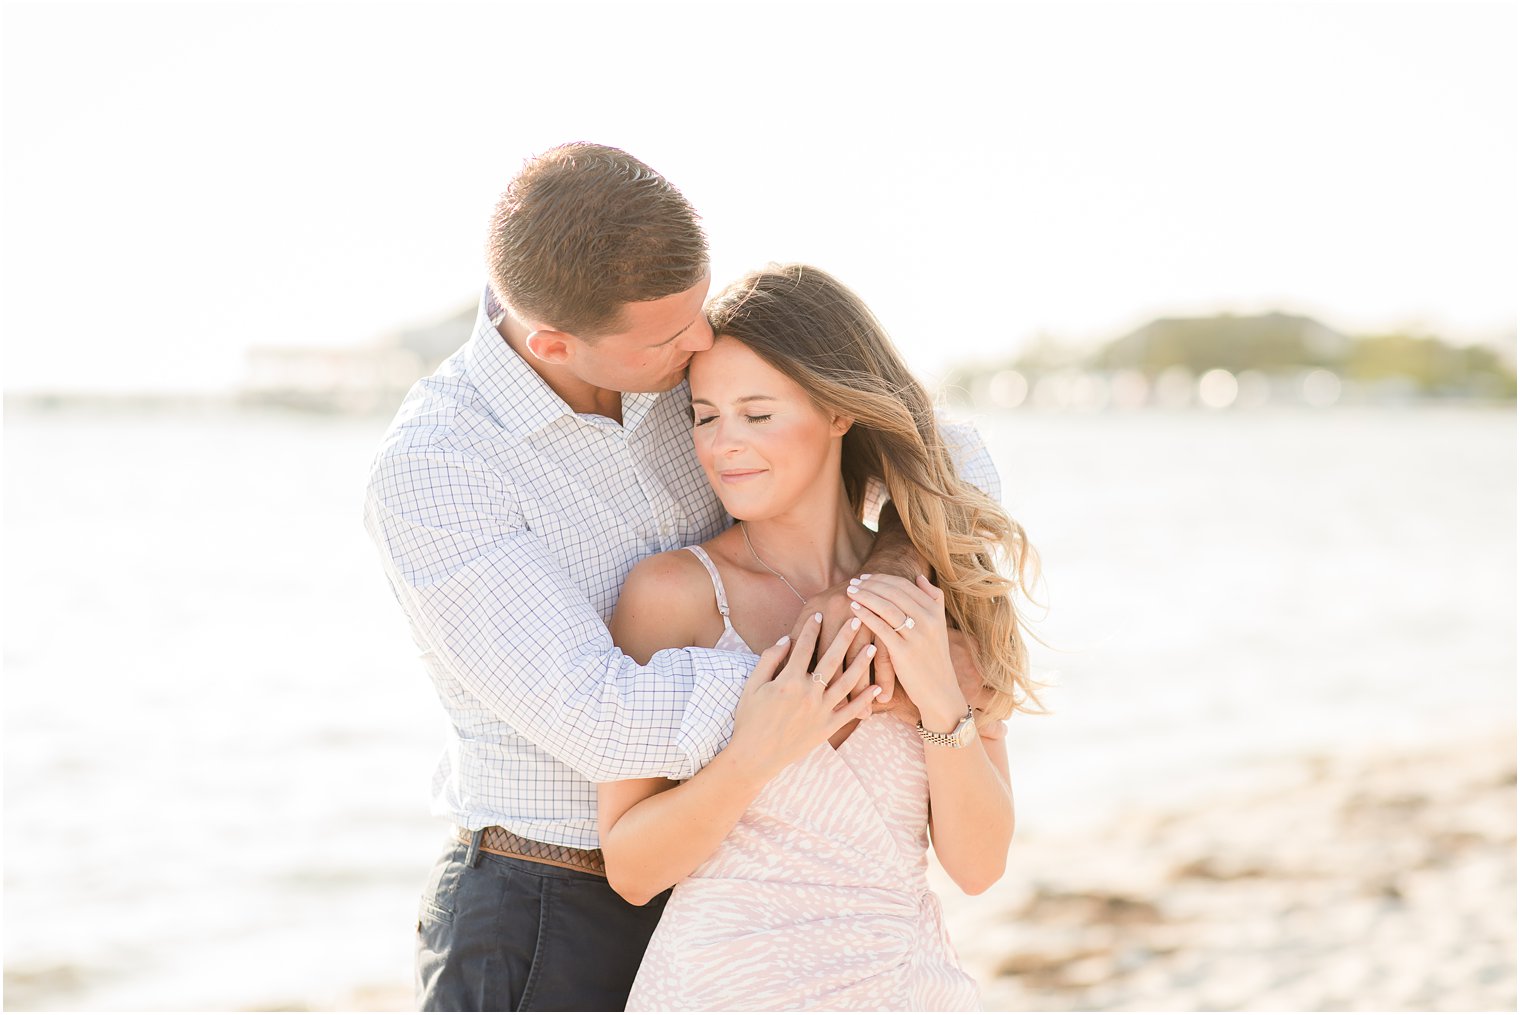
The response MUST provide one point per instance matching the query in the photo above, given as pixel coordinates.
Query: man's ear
(840, 425)
(549, 345)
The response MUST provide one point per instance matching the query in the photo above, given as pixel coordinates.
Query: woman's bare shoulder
(673, 570)
(667, 602)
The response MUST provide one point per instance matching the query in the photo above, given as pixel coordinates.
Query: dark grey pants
(504, 934)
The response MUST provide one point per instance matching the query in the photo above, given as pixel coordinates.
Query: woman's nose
(726, 440)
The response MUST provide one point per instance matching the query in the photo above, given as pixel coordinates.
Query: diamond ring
(906, 625)
(817, 679)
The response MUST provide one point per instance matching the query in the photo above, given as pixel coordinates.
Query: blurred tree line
(1276, 343)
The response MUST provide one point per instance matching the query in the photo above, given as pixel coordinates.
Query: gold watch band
(960, 736)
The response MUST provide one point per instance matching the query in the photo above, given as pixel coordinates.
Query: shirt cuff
(708, 723)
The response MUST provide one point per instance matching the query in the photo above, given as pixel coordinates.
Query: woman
(802, 845)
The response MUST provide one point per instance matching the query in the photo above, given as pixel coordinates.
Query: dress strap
(712, 569)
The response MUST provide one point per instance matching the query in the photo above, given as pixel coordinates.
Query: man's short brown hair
(584, 229)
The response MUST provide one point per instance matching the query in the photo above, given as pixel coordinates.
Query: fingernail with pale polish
(854, 606)
(870, 651)
(855, 624)
(875, 691)
(818, 617)
(864, 576)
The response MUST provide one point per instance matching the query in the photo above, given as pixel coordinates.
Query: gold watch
(961, 736)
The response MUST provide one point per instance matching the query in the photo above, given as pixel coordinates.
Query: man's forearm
(514, 633)
(580, 706)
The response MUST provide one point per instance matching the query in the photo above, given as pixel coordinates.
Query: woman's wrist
(746, 768)
(940, 714)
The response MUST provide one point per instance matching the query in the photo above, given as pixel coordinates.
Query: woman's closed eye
(704, 420)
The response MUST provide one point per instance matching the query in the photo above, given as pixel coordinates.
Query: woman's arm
(655, 832)
(971, 815)
(970, 803)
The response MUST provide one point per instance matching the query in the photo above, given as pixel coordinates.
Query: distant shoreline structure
(1229, 361)
(1223, 362)
(1076, 394)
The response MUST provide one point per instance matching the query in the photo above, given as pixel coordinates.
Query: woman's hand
(970, 804)
(834, 603)
(786, 710)
(908, 620)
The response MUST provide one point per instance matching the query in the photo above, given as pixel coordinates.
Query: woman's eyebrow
(746, 398)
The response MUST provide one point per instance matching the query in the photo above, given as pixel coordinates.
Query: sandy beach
(1357, 882)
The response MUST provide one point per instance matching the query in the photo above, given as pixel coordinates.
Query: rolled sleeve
(973, 462)
(506, 622)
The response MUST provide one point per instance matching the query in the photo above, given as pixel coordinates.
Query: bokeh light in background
(1281, 590)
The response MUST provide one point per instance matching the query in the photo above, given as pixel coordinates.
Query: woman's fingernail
(855, 624)
(852, 590)
(870, 651)
(875, 691)
(864, 576)
(854, 606)
(818, 617)
(784, 639)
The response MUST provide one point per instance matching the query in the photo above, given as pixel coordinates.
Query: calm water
(218, 739)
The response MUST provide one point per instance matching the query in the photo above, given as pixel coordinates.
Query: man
(515, 490)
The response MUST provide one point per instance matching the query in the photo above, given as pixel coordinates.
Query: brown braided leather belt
(504, 843)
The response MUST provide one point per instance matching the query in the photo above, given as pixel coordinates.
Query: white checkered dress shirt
(507, 524)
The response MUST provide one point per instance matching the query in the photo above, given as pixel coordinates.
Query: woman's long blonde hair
(812, 328)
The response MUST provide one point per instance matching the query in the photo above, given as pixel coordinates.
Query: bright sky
(184, 181)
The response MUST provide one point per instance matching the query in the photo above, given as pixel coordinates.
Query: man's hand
(967, 676)
(892, 553)
(834, 604)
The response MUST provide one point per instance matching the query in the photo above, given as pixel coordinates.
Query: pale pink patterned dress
(817, 900)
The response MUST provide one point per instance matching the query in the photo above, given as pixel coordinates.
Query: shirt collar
(518, 397)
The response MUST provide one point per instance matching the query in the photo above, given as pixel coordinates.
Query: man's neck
(580, 396)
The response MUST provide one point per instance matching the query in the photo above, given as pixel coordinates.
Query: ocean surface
(218, 738)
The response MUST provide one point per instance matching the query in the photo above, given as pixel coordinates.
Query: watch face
(964, 731)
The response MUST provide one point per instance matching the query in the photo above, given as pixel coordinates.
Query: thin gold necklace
(778, 574)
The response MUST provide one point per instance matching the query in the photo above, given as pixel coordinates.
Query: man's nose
(698, 337)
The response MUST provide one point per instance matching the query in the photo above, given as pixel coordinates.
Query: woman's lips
(740, 475)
